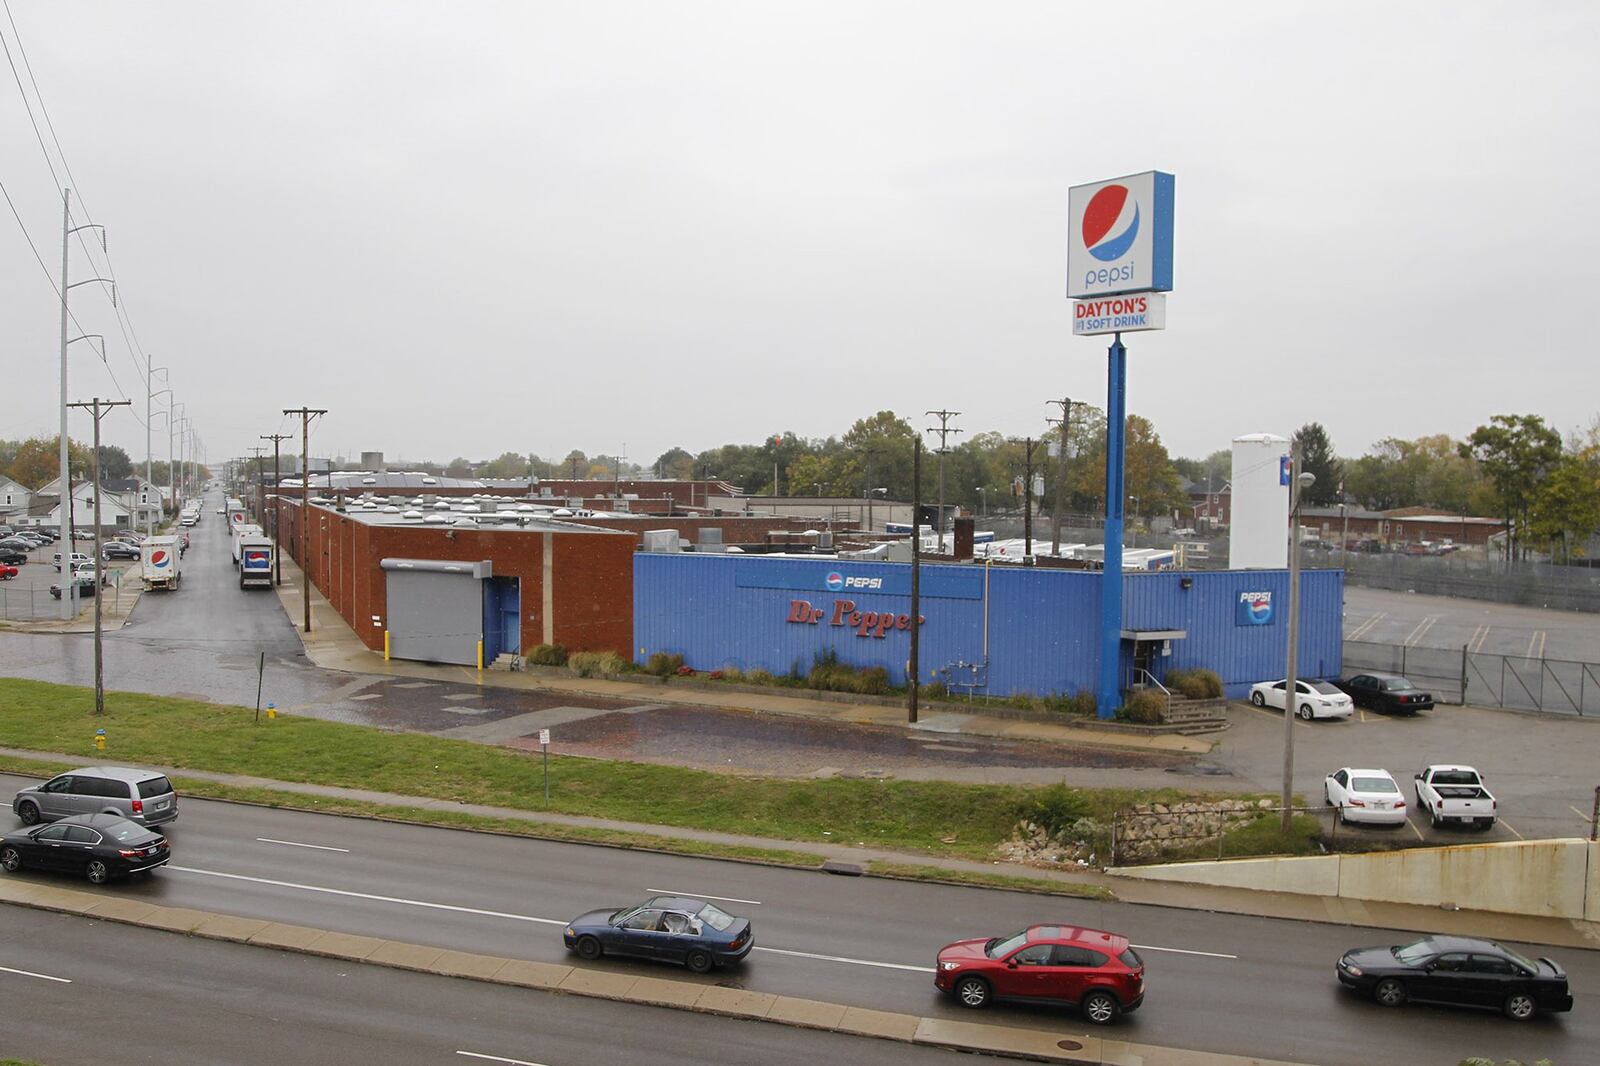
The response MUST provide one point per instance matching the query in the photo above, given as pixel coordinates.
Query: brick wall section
(592, 595)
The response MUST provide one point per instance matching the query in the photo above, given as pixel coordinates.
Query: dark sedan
(1387, 693)
(118, 549)
(13, 556)
(1459, 970)
(96, 846)
(678, 929)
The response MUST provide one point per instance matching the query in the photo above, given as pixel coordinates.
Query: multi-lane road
(1223, 983)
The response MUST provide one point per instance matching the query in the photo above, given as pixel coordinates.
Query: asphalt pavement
(859, 941)
(1383, 616)
(82, 992)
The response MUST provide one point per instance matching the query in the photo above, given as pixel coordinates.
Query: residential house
(14, 498)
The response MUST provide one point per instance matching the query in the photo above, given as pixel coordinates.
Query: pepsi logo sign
(1110, 223)
(834, 581)
(160, 557)
(1255, 609)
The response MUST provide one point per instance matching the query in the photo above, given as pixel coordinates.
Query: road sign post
(544, 744)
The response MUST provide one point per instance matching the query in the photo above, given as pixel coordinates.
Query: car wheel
(28, 813)
(1305, 712)
(1389, 992)
(1433, 817)
(698, 961)
(1258, 699)
(11, 859)
(97, 872)
(973, 992)
(1100, 1008)
(1520, 1006)
(588, 948)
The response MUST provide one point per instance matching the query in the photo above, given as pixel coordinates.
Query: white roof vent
(412, 516)
(391, 509)
(561, 512)
(369, 481)
(436, 519)
(441, 506)
(430, 481)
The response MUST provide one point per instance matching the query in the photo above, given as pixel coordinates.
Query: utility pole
(277, 548)
(1028, 444)
(1298, 482)
(944, 431)
(1065, 422)
(914, 664)
(306, 415)
(68, 577)
(258, 493)
(69, 594)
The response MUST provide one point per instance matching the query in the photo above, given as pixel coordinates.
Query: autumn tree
(1516, 453)
(38, 461)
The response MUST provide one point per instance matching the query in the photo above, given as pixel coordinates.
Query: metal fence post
(1463, 673)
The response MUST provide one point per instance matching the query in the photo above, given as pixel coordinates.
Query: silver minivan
(142, 796)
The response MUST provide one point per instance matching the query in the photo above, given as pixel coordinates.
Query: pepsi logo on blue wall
(1255, 609)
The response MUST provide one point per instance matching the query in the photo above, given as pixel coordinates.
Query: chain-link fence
(19, 603)
(1574, 588)
(1456, 675)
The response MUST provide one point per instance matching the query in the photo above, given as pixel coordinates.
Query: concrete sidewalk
(1560, 932)
(702, 995)
(333, 645)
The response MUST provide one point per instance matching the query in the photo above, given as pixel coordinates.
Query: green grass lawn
(937, 818)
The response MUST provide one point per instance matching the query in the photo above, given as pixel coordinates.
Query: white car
(1313, 699)
(1365, 796)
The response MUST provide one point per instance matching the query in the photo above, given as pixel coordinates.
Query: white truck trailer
(255, 561)
(240, 532)
(159, 563)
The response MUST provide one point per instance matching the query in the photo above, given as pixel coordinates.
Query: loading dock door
(435, 609)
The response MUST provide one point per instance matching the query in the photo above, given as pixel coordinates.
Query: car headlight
(1353, 971)
(947, 966)
(570, 932)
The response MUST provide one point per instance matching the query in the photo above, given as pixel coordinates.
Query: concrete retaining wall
(1547, 878)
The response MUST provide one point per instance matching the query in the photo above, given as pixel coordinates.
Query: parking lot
(1540, 767)
(27, 596)
(1381, 616)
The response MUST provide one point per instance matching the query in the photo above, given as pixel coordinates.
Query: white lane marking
(371, 896)
(1366, 627)
(1421, 630)
(702, 895)
(1185, 951)
(497, 1058)
(40, 976)
(842, 958)
(297, 844)
(1514, 833)
(1586, 819)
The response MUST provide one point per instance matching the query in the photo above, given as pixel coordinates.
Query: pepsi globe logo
(1110, 223)
(160, 558)
(834, 581)
(1255, 608)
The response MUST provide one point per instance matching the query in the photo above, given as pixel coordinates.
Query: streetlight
(1133, 527)
(983, 496)
(1298, 483)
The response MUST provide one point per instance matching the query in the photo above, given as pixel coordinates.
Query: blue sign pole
(1108, 696)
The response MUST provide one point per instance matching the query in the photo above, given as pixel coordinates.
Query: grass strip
(1013, 882)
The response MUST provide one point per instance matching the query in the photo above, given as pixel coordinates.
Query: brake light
(138, 806)
(132, 853)
(1399, 805)
(1358, 803)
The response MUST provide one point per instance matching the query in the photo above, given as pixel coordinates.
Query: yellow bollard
(385, 645)
(480, 655)
(100, 740)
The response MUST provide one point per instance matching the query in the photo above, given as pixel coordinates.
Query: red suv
(1097, 972)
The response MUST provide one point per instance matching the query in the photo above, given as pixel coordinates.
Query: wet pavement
(211, 640)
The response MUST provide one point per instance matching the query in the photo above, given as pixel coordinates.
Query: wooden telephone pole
(306, 414)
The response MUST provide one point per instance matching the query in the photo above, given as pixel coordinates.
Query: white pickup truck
(1455, 794)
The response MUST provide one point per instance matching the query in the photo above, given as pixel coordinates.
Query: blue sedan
(678, 929)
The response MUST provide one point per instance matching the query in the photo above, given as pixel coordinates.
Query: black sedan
(678, 929)
(1387, 693)
(1460, 970)
(13, 556)
(96, 846)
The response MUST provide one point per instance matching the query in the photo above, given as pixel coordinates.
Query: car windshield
(1416, 953)
(1520, 959)
(1325, 688)
(1005, 945)
(715, 917)
(124, 830)
(1374, 784)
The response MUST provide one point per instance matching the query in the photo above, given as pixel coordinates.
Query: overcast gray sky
(472, 228)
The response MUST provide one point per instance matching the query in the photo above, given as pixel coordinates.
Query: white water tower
(1258, 529)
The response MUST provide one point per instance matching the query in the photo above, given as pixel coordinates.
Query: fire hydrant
(272, 710)
(100, 740)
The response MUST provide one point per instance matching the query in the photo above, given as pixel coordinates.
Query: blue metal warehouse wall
(724, 610)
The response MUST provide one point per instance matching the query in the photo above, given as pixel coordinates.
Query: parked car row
(1447, 793)
(1386, 693)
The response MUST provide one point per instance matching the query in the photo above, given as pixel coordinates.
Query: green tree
(674, 463)
(574, 466)
(114, 462)
(458, 467)
(1566, 508)
(1516, 453)
(507, 464)
(1317, 458)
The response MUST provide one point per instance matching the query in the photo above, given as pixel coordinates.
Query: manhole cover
(1069, 1045)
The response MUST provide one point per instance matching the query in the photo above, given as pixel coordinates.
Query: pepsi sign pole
(1119, 269)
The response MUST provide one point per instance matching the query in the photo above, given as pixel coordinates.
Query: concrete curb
(1001, 1041)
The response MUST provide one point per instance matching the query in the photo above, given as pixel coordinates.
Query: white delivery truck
(255, 561)
(159, 563)
(240, 532)
(236, 516)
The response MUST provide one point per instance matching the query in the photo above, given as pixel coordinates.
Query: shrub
(1020, 700)
(1143, 706)
(1196, 684)
(874, 681)
(547, 655)
(663, 665)
(1080, 704)
(1054, 808)
(590, 663)
(935, 690)
(759, 676)
(729, 673)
